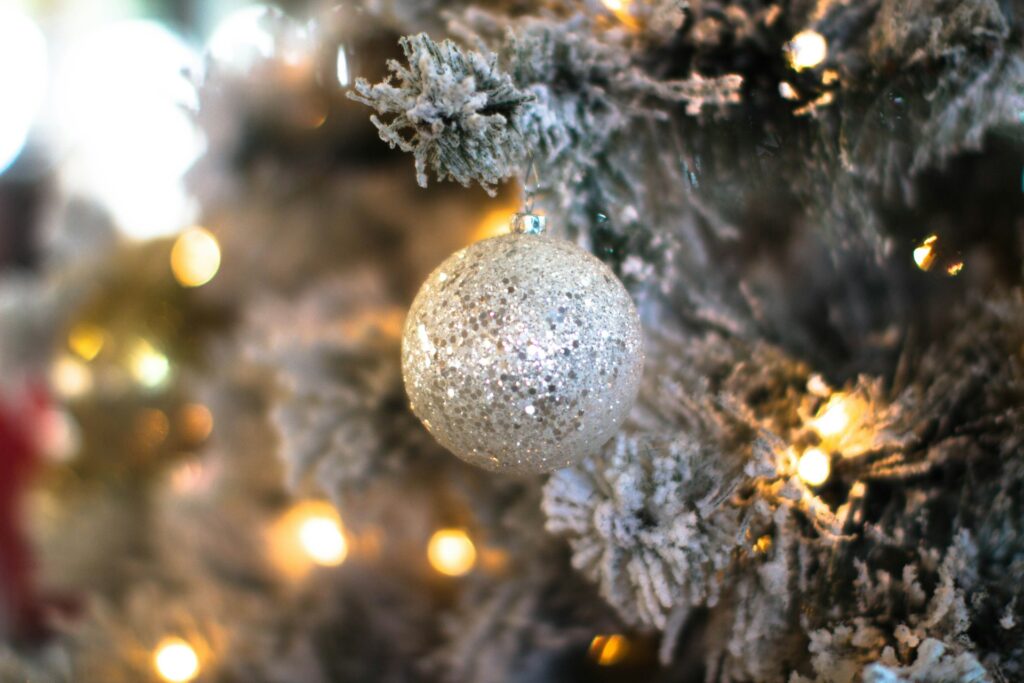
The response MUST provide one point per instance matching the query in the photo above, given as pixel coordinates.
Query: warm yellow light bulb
(70, 377)
(495, 222)
(451, 552)
(622, 9)
(807, 50)
(834, 416)
(609, 650)
(763, 544)
(196, 422)
(814, 467)
(323, 540)
(86, 340)
(924, 254)
(309, 533)
(176, 661)
(195, 257)
(953, 269)
(149, 367)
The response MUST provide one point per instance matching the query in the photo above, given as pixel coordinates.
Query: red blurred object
(21, 418)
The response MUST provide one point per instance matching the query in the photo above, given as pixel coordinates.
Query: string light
(191, 477)
(451, 552)
(251, 37)
(806, 50)
(176, 661)
(196, 422)
(86, 340)
(609, 650)
(322, 538)
(309, 533)
(622, 9)
(833, 417)
(953, 269)
(787, 91)
(195, 257)
(763, 544)
(814, 467)
(70, 377)
(60, 435)
(924, 253)
(149, 367)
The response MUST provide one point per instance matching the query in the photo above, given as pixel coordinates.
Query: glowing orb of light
(86, 340)
(150, 367)
(258, 34)
(814, 467)
(309, 533)
(807, 50)
(609, 650)
(834, 416)
(70, 377)
(451, 552)
(924, 253)
(23, 76)
(176, 661)
(123, 94)
(322, 539)
(195, 257)
(623, 11)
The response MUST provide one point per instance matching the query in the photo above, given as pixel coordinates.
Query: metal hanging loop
(526, 221)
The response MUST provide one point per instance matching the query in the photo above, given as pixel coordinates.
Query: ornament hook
(527, 221)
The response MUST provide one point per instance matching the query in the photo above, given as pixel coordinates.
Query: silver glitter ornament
(522, 352)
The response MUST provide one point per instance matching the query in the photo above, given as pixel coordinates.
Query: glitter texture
(522, 353)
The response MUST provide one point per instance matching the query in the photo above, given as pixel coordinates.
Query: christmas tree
(793, 231)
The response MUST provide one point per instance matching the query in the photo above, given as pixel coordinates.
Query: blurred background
(194, 223)
(208, 467)
(100, 104)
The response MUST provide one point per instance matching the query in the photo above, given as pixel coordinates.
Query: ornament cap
(529, 223)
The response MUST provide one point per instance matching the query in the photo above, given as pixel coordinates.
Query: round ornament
(522, 353)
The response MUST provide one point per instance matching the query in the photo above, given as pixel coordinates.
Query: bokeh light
(322, 538)
(70, 377)
(86, 340)
(451, 552)
(176, 661)
(149, 367)
(623, 11)
(195, 422)
(309, 533)
(60, 435)
(609, 650)
(834, 416)
(814, 467)
(258, 34)
(195, 257)
(924, 253)
(23, 78)
(123, 98)
(806, 50)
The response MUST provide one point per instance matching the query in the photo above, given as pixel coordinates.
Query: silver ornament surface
(522, 353)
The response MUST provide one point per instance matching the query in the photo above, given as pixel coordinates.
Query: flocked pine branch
(453, 109)
(554, 90)
(651, 523)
